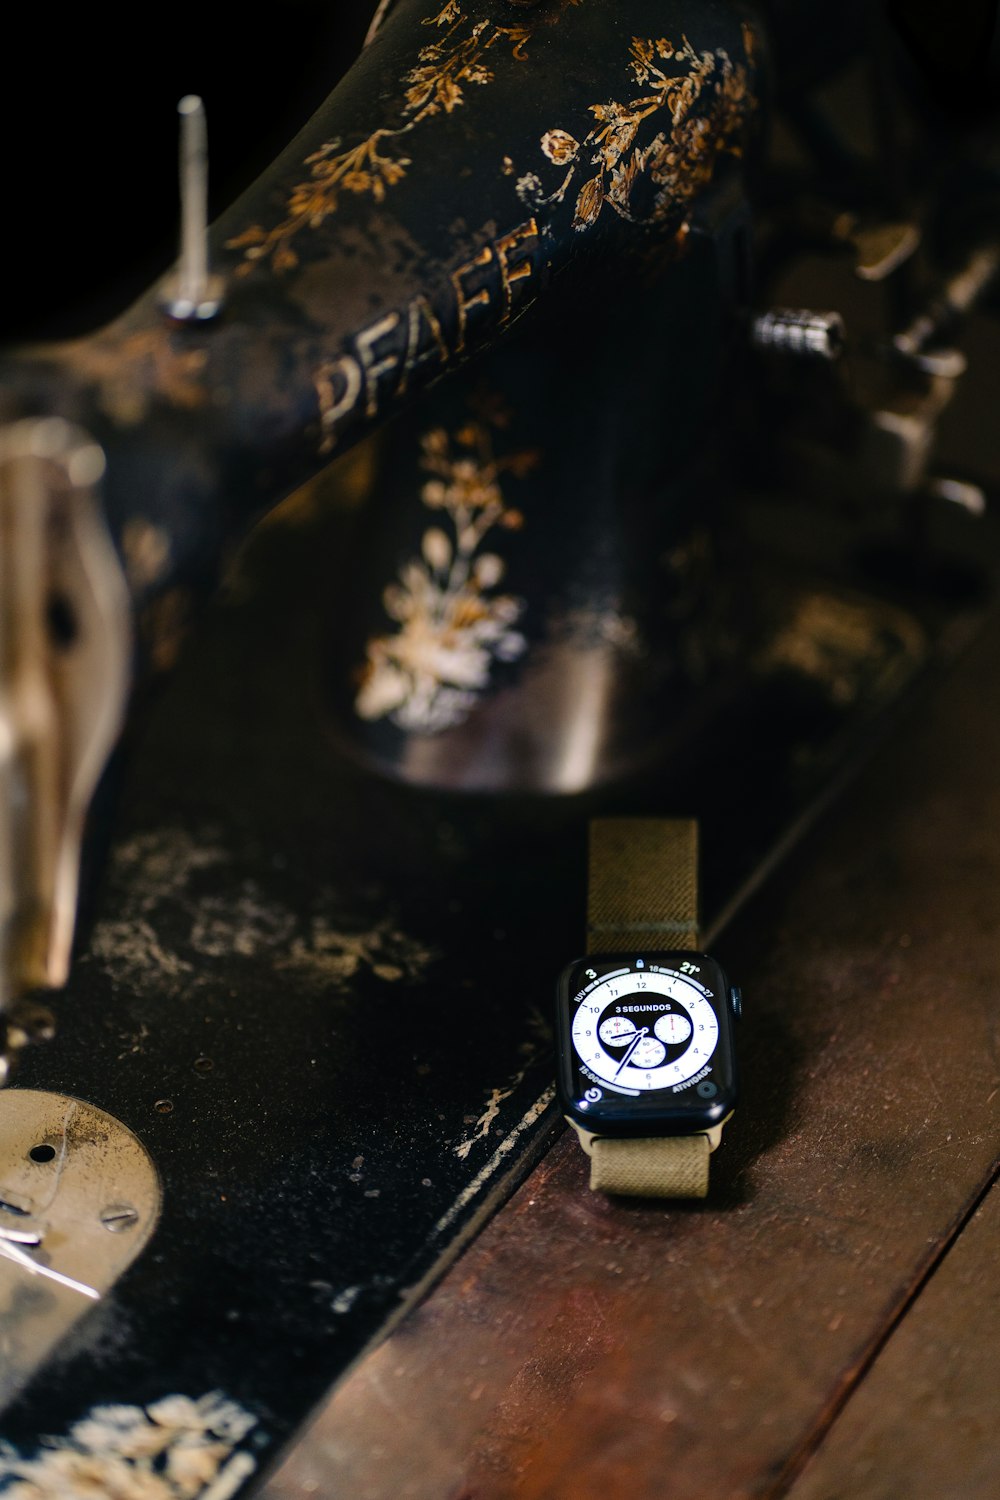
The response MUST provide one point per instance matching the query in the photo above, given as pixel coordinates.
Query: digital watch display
(646, 1039)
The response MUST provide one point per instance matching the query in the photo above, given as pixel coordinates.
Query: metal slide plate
(79, 1199)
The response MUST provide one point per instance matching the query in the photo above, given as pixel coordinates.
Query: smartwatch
(645, 1022)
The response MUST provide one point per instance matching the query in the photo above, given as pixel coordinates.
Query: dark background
(89, 122)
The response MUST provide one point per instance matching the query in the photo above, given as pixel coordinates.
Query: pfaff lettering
(338, 386)
(483, 293)
(424, 340)
(467, 300)
(373, 364)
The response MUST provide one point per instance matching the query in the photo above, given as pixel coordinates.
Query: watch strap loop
(665, 1167)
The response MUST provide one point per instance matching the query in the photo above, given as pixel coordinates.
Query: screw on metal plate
(73, 1180)
(192, 294)
(118, 1217)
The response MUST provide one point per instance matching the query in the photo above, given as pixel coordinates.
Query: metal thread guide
(193, 294)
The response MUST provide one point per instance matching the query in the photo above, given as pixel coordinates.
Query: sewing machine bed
(321, 1000)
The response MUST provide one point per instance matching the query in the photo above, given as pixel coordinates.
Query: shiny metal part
(381, 11)
(968, 497)
(117, 1218)
(192, 294)
(65, 642)
(880, 248)
(62, 1163)
(18, 1227)
(800, 332)
(955, 299)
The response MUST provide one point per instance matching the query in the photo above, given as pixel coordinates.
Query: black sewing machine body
(579, 575)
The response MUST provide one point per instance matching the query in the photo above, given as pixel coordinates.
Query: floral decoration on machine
(452, 624)
(173, 1449)
(709, 100)
(445, 68)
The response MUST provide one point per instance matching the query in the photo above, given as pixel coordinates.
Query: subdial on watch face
(673, 1028)
(649, 1053)
(616, 1031)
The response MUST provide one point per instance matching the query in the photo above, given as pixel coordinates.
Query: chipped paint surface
(173, 1449)
(485, 1120)
(539, 1040)
(334, 957)
(155, 871)
(147, 871)
(486, 1173)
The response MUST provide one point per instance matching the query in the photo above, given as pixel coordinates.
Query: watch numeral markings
(673, 985)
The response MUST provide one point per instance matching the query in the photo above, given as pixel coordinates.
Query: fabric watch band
(643, 884)
(665, 1167)
(643, 893)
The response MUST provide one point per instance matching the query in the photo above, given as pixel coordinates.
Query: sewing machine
(698, 506)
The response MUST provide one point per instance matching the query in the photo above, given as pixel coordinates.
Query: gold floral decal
(452, 625)
(708, 104)
(174, 1449)
(434, 86)
(130, 373)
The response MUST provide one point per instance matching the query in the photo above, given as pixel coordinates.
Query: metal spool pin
(193, 295)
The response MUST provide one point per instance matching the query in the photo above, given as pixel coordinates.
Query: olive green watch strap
(643, 884)
(665, 1167)
(643, 893)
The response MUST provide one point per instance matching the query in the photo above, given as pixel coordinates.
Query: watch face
(646, 1038)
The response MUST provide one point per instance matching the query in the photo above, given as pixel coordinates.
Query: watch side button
(736, 1002)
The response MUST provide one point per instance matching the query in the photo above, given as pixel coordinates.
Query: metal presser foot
(79, 1195)
(64, 666)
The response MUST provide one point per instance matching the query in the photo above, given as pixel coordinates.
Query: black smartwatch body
(645, 1044)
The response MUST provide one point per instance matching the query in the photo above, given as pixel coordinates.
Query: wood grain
(924, 1422)
(586, 1347)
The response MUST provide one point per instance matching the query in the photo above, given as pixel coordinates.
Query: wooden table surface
(825, 1324)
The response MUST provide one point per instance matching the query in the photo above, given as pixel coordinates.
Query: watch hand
(624, 1037)
(638, 1038)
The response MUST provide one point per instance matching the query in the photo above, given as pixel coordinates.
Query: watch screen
(646, 1037)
